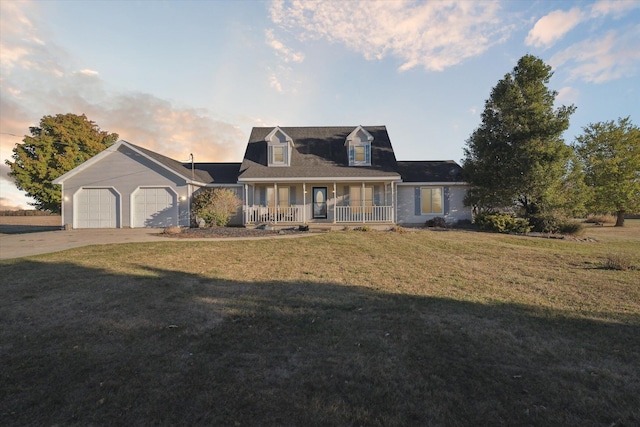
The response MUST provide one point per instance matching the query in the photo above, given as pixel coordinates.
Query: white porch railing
(364, 213)
(257, 214)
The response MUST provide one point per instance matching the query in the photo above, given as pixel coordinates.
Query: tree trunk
(620, 219)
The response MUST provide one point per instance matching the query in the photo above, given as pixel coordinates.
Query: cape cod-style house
(288, 176)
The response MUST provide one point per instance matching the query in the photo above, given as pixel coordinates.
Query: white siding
(125, 171)
(455, 208)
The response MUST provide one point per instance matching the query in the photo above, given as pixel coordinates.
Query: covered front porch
(319, 202)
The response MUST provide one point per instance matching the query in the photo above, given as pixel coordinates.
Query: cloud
(553, 27)
(282, 51)
(567, 95)
(617, 8)
(433, 35)
(601, 59)
(42, 79)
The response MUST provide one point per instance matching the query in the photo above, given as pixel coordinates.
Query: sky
(181, 77)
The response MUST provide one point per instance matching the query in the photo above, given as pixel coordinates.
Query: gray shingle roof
(207, 173)
(218, 173)
(430, 171)
(319, 152)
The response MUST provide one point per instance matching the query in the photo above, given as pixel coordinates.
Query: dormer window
(358, 144)
(279, 147)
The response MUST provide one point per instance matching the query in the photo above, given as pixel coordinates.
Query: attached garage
(96, 208)
(155, 207)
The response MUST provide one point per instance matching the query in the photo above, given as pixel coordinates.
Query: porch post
(335, 202)
(304, 202)
(275, 202)
(245, 204)
(362, 202)
(393, 204)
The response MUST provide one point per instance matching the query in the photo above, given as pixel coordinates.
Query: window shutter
(418, 202)
(376, 195)
(352, 155)
(270, 154)
(285, 155)
(346, 198)
(367, 153)
(445, 196)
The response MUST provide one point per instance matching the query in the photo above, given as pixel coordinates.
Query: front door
(320, 202)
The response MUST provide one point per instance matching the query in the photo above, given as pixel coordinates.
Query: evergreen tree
(59, 144)
(517, 156)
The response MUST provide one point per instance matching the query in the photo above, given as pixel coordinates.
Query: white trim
(62, 204)
(432, 184)
(112, 149)
(275, 130)
(432, 187)
(355, 132)
(323, 179)
(214, 185)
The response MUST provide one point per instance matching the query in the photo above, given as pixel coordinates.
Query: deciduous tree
(610, 156)
(517, 155)
(59, 144)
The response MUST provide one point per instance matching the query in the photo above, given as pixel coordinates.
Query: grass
(380, 328)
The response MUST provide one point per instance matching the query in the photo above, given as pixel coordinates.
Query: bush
(215, 206)
(571, 227)
(600, 219)
(554, 223)
(617, 262)
(398, 229)
(501, 223)
(172, 230)
(463, 224)
(438, 222)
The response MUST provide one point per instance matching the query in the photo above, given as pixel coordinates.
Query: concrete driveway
(20, 245)
(26, 244)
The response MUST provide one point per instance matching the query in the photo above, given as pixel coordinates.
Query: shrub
(438, 222)
(501, 223)
(463, 224)
(600, 219)
(398, 229)
(554, 223)
(172, 230)
(215, 206)
(571, 227)
(617, 262)
(364, 228)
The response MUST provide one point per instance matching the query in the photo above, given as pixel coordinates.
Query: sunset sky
(182, 77)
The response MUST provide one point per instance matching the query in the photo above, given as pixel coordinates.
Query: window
(431, 200)
(283, 197)
(279, 146)
(356, 199)
(360, 154)
(358, 144)
(278, 155)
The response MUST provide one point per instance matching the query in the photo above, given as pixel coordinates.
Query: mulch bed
(222, 232)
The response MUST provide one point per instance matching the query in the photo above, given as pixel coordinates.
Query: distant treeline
(25, 212)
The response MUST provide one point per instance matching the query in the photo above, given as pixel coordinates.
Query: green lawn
(347, 328)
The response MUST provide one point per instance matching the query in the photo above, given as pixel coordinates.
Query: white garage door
(96, 208)
(155, 207)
